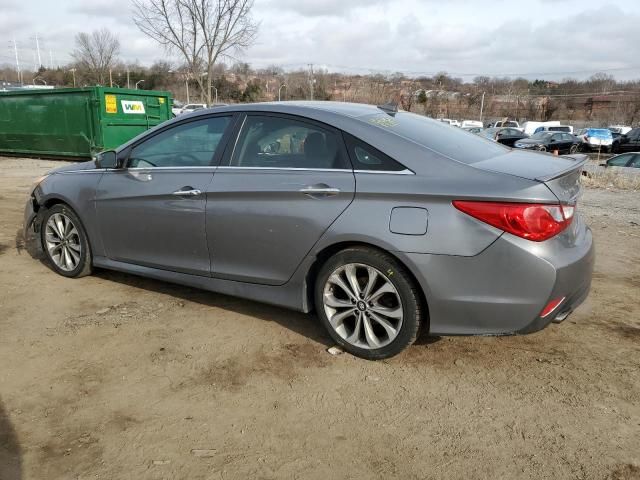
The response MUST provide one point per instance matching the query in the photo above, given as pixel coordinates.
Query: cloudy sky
(534, 38)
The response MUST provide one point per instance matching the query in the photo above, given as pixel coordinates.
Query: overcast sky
(535, 38)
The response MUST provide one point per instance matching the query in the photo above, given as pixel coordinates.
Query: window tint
(451, 142)
(366, 157)
(566, 137)
(280, 142)
(619, 161)
(635, 162)
(190, 144)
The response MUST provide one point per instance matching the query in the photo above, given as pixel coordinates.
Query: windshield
(541, 135)
(451, 142)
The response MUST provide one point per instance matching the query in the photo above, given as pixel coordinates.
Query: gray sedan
(385, 223)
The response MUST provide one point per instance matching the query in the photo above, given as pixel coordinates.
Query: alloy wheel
(362, 306)
(63, 242)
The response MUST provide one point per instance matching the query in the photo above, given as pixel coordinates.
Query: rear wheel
(574, 148)
(368, 303)
(64, 242)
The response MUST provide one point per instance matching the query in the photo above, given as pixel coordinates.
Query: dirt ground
(118, 377)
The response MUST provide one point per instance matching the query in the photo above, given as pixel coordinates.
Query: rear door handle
(187, 192)
(320, 190)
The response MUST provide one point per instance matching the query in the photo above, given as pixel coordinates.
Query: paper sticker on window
(111, 104)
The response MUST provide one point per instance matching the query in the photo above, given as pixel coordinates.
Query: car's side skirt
(290, 295)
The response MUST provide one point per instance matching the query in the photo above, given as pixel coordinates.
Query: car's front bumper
(504, 289)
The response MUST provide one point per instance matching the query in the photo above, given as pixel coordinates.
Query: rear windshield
(560, 129)
(599, 133)
(437, 136)
(541, 135)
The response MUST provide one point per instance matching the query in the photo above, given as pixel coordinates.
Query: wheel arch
(329, 251)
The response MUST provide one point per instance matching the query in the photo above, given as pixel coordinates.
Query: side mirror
(109, 159)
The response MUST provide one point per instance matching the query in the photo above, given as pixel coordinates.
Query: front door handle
(320, 190)
(187, 192)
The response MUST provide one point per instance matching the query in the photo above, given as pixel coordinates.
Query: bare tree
(96, 53)
(201, 31)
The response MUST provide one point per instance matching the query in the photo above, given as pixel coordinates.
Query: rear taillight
(533, 221)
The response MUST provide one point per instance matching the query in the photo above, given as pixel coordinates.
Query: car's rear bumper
(504, 289)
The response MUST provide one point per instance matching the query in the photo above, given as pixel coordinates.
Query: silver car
(385, 223)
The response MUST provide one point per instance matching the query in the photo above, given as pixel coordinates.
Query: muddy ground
(118, 377)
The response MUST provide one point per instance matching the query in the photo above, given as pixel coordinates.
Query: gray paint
(253, 234)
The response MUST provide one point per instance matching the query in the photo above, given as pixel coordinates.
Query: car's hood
(531, 141)
(91, 164)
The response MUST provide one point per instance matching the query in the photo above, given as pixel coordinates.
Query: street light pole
(481, 106)
(73, 72)
(280, 89)
(15, 49)
(138, 82)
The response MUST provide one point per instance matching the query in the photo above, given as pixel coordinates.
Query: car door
(152, 211)
(633, 144)
(566, 141)
(284, 182)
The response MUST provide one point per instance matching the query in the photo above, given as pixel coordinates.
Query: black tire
(394, 273)
(542, 148)
(574, 148)
(83, 267)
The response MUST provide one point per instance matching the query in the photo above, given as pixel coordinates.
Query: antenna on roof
(390, 107)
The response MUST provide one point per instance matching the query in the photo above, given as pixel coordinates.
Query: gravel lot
(114, 376)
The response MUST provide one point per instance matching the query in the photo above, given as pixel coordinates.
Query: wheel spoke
(74, 255)
(53, 249)
(74, 246)
(369, 334)
(52, 238)
(338, 319)
(371, 281)
(52, 224)
(355, 336)
(386, 288)
(336, 280)
(391, 330)
(350, 273)
(60, 225)
(72, 231)
(395, 312)
(330, 300)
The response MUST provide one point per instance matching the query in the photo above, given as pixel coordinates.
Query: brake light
(533, 221)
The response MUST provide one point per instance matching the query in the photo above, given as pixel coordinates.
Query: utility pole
(15, 49)
(128, 84)
(110, 79)
(73, 72)
(38, 49)
(311, 79)
(481, 106)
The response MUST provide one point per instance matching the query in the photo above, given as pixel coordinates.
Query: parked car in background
(192, 107)
(595, 139)
(507, 123)
(619, 129)
(475, 130)
(453, 123)
(551, 142)
(530, 127)
(627, 142)
(505, 136)
(554, 128)
(471, 124)
(331, 207)
(626, 163)
(176, 107)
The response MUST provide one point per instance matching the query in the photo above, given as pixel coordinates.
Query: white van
(531, 127)
(554, 128)
(471, 124)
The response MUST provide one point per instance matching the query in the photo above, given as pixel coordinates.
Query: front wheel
(574, 148)
(65, 242)
(368, 303)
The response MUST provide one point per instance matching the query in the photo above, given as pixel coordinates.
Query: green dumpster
(77, 122)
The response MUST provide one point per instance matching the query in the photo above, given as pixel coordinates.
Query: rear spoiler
(580, 158)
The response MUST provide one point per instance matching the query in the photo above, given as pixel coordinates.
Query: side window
(619, 161)
(566, 137)
(635, 163)
(280, 142)
(366, 157)
(556, 137)
(190, 144)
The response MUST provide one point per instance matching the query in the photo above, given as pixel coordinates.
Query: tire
(615, 147)
(69, 255)
(574, 148)
(386, 323)
(542, 148)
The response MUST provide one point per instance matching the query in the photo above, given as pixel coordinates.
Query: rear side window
(620, 160)
(190, 144)
(451, 142)
(283, 142)
(365, 157)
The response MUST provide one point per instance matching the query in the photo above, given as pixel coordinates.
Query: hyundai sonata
(385, 223)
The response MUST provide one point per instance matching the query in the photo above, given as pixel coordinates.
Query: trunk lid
(561, 174)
